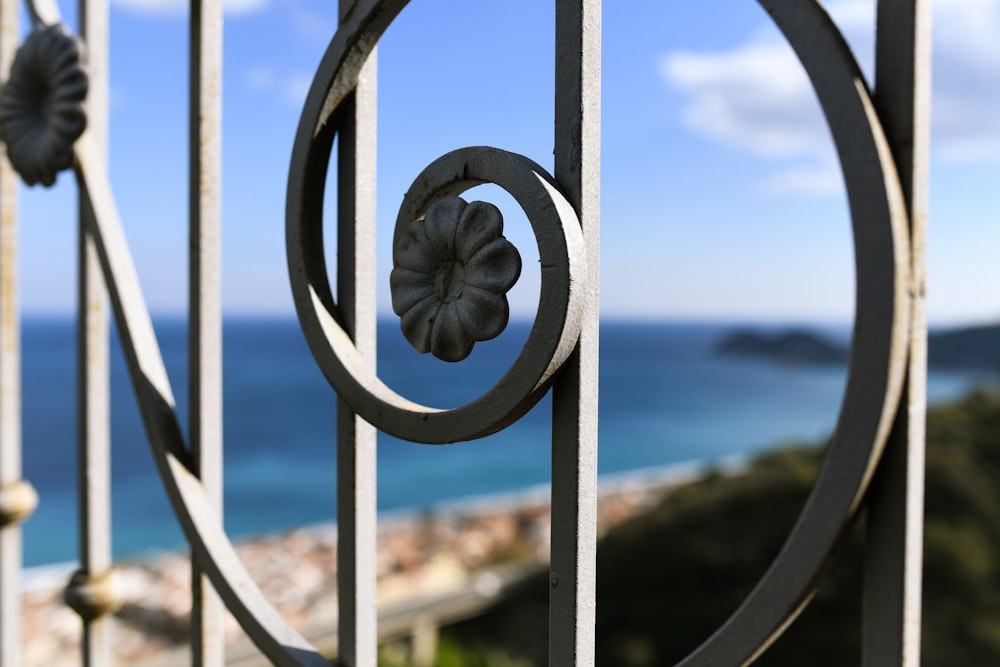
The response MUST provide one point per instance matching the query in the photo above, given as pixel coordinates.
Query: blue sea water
(665, 399)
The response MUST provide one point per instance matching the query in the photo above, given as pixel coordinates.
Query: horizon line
(763, 319)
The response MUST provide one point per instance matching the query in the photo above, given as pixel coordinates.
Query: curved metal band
(556, 227)
(197, 516)
(878, 353)
(201, 524)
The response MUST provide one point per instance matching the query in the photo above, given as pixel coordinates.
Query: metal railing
(875, 458)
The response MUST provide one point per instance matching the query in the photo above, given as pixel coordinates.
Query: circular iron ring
(879, 346)
(560, 244)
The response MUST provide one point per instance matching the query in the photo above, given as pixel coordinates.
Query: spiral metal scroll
(556, 227)
(876, 368)
(552, 338)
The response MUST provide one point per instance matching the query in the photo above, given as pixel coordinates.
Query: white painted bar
(94, 385)
(572, 602)
(356, 439)
(10, 368)
(205, 303)
(894, 558)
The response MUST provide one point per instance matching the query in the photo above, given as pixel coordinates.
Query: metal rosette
(42, 104)
(556, 227)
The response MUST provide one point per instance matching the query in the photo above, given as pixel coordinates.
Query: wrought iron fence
(875, 458)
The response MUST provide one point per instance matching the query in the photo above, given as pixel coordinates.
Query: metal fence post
(357, 632)
(17, 498)
(205, 304)
(894, 554)
(572, 605)
(91, 590)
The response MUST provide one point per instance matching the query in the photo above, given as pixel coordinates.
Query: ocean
(665, 399)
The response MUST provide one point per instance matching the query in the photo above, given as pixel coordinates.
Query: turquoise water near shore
(665, 399)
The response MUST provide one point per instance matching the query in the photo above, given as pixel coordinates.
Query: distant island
(793, 347)
(969, 348)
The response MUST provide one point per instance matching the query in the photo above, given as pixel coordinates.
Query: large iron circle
(882, 316)
(879, 349)
(553, 336)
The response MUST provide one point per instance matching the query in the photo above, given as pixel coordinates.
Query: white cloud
(181, 7)
(295, 88)
(756, 96)
(116, 98)
(310, 24)
(966, 104)
(290, 89)
(260, 78)
(806, 181)
(240, 7)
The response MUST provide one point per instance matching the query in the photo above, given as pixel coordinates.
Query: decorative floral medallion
(41, 108)
(452, 271)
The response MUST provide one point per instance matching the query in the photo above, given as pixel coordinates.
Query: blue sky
(721, 195)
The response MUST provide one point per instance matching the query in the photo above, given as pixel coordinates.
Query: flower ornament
(452, 270)
(41, 108)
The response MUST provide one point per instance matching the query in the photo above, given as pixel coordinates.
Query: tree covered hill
(668, 579)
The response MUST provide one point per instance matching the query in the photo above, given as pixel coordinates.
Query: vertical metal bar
(10, 371)
(93, 382)
(205, 303)
(574, 422)
(893, 565)
(356, 476)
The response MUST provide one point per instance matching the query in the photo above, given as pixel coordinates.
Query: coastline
(425, 553)
(665, 397)
(35, 577)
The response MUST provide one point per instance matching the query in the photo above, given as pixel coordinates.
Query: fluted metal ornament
(452, 271)
(41, 108)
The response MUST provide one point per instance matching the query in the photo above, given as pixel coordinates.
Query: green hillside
(669, 578)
